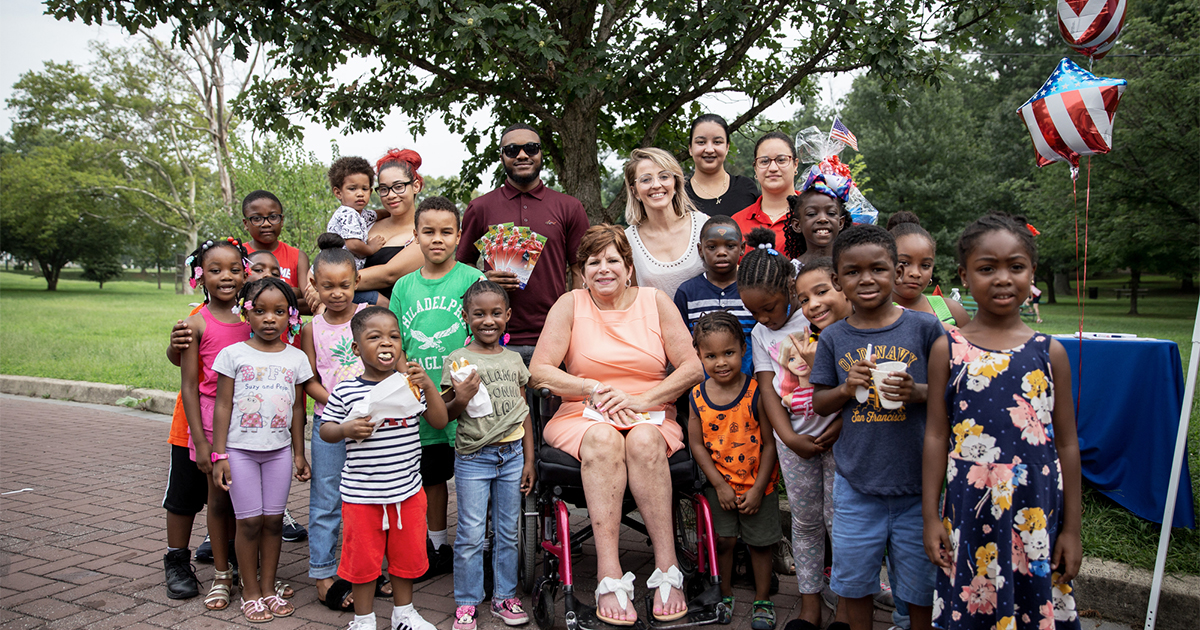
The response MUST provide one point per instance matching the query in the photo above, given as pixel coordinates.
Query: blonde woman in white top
(664, 224)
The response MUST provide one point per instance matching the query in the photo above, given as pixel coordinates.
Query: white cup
(880, 374)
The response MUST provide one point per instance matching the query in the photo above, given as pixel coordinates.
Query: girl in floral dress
(1006, 536)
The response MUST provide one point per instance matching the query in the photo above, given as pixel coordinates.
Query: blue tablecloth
(1132, 391)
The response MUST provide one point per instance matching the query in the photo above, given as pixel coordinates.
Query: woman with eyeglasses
(399, 183)
(775, 169)
(711, 187)
(664, 225)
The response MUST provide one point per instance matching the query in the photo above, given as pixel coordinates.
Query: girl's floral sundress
(1003, 505)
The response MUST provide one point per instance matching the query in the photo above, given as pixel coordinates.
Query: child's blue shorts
(864, 526)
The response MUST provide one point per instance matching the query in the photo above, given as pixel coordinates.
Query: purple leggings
(260, 481)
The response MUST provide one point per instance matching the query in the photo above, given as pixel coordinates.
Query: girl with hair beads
(326, 341)
(766, 280)
(916, 250)
(220, 268)
(493, 457)
(735, 449)
(1007, 534)
(257, 399)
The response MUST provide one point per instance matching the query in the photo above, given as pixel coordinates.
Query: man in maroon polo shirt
(524, 200)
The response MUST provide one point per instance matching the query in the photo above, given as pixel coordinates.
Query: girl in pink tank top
(219, 267)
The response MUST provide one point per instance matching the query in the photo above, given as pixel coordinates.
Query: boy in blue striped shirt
(383, 504)
(716, 289)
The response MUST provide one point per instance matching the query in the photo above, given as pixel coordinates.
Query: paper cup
(880, 374)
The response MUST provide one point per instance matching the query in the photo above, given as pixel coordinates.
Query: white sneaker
(366, 622)
(408, 618)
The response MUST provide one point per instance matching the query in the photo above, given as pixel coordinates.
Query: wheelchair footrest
(704, 609)
(586, 619)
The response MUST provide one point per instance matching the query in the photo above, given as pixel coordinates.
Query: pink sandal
(254, 610)
(278, 606)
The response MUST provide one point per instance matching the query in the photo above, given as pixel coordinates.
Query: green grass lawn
(119, 335)
(79, 332)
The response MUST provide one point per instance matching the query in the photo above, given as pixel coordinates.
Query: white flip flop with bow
(664, 582)
(623, 589)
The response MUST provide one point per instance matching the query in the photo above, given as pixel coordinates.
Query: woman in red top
(775, 169)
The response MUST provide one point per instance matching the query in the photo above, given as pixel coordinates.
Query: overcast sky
(28, 39)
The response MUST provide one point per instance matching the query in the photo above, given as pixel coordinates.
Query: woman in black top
(711, 188)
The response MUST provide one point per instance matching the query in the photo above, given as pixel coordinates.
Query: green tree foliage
(952, 154)
(47, 213)
(144, 122)
(101, 270)
(1146, 198)
(595, 76)
(294, 175)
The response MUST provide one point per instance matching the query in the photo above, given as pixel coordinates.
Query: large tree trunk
(1050, 293)
(1188, 285)
(1135, 279)
(50, 273)
(193, 240)
(1062, 282)
(577, 159)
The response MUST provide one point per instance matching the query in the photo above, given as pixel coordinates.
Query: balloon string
(1079, 285)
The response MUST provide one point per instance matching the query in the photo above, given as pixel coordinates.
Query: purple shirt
(558, 217)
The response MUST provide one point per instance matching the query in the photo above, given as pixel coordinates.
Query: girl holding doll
(767, 281)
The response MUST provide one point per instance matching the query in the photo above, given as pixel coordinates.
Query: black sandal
(379, 582)
(336, 596)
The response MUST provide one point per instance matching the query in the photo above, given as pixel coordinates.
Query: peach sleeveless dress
(623, 349)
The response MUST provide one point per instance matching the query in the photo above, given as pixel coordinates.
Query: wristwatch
(216, 457)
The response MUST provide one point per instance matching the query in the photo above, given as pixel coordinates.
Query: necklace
(708, 194)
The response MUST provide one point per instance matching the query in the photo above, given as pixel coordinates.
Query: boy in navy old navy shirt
(877, 489)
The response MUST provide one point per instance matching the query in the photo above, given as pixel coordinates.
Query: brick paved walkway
(83, 547)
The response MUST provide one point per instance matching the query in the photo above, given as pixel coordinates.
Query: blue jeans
(324, 504)
(491, 472)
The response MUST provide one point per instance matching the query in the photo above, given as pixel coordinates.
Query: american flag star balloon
(1091, 26)
(1072, 115)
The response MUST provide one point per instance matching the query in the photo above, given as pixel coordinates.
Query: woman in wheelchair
(618, 411)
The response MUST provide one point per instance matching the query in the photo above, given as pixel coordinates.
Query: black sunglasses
(513, 150)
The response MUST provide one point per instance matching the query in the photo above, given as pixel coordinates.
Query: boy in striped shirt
(383, 504)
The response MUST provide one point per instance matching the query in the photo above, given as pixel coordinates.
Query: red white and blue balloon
(1072, 115)
(1091, 26)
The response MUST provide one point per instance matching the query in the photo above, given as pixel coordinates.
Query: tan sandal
(258, 609)
(284, 590)
(278, 606)
(219, 593)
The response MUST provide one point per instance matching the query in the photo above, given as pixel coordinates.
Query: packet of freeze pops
(512, 248)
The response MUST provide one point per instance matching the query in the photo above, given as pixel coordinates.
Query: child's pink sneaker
(464, 618)
(511, 612)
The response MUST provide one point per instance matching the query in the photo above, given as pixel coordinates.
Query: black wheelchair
(545, 529)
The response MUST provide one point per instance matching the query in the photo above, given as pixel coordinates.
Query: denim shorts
(867, 525)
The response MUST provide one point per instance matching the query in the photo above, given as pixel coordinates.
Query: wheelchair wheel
(687, 545)
(543, 603)
(527, 541)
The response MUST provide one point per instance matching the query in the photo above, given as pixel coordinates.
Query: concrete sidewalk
(82, 534)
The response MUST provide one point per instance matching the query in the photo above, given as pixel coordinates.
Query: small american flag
(841, 133)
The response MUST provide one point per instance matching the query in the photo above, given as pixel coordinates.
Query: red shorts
(365, 541)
